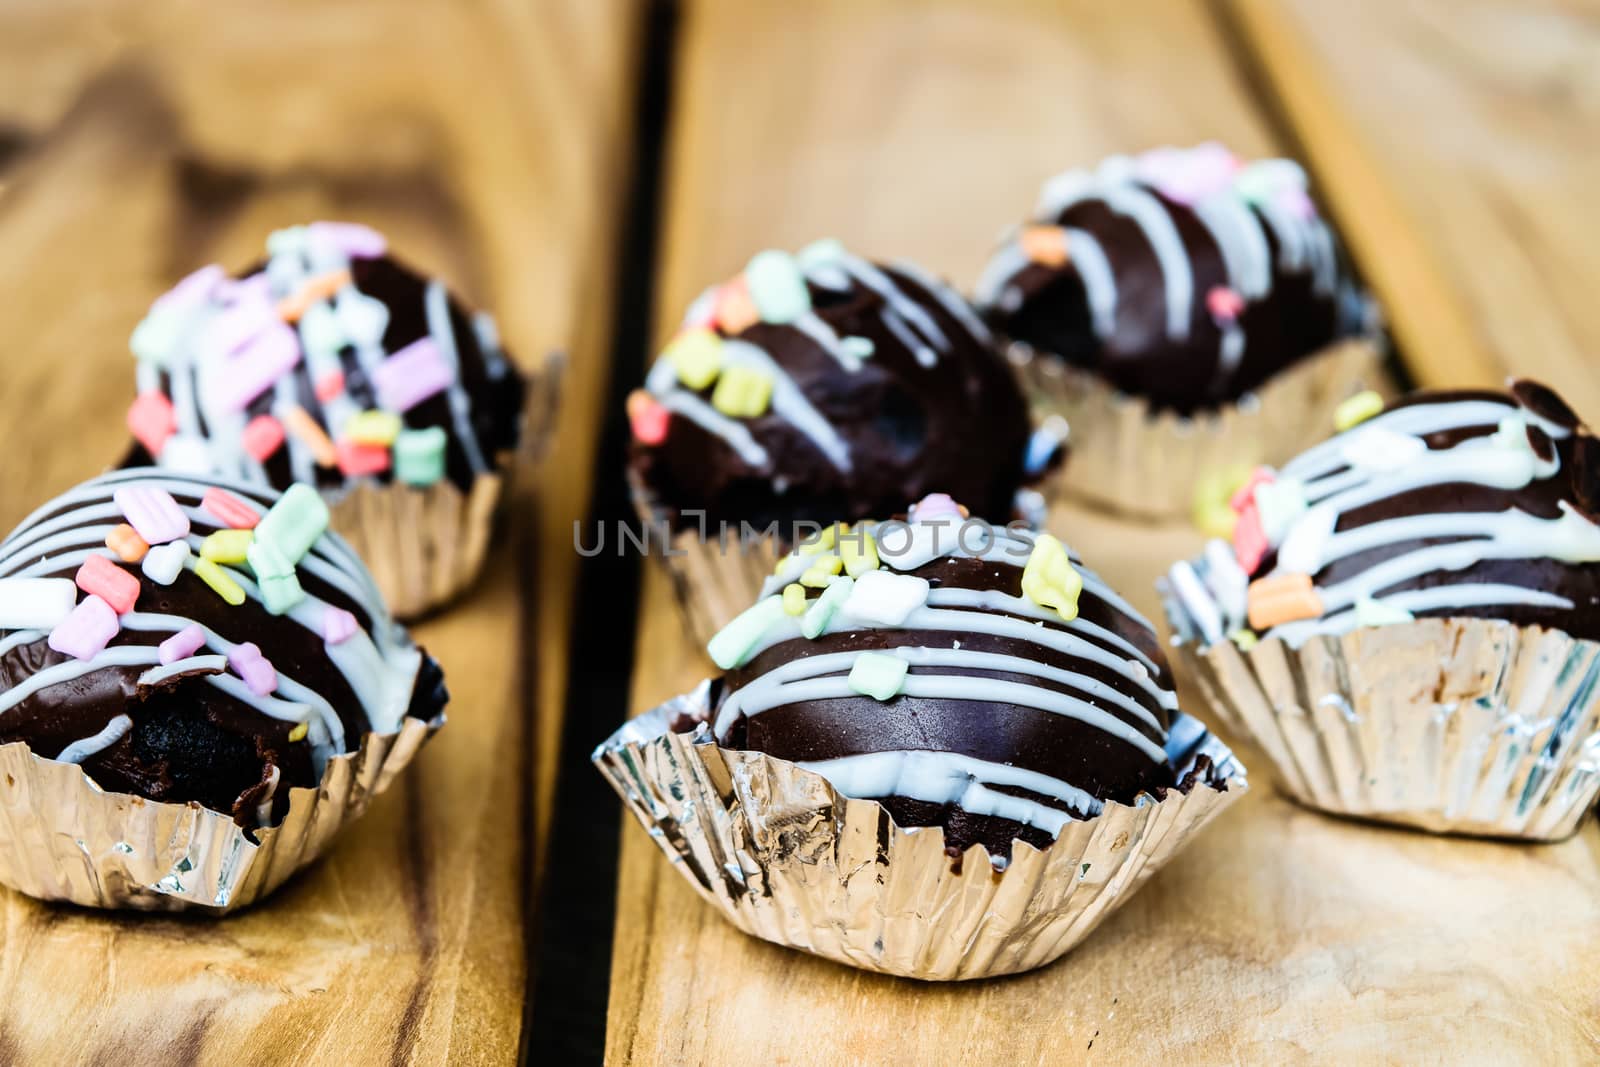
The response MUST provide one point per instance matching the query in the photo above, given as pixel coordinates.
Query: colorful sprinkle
(1045, 245)
(857, 347)
(859, 550)
(733, 309)
(878, 675)
(329, 386)
(696, 357)
(181, 645)
(936, 506)
(263, 435)
(823, 608)
(1304, 546)
(1244, 639)
(885, 598)
(310, 433)
(275, 577)
(419, 456)
(1245, 495)
(821, 570)
(317, 288)
(374, 428)
(777, 287)
(362, 319)
(822, 541)
(742, 393)
(163, 563)
(298, 734)
(823, 252)
(87, 629)
(1224, 304)
(322, 335)
(1278, 504)
(229, 509)
(1282, 598)
(734, 641)
(1050, 580)
(36, 603)
(358, 460)
(265, 358)
(338, 626)
(351, 238)
(152, 512)
(647, 417)
(186, 454)
(794, 599)
(295, 522)
(220, 581)
(104, 579)
(256, 670)
(125, 541)
(410, 376)
(227, 546)
(1356, 410)
(152, 419)
(1370, 612)
(1250, 543)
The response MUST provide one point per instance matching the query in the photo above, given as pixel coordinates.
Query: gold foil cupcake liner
(1147, 464)
(63, 838)
(1462, 725)
(786, 858)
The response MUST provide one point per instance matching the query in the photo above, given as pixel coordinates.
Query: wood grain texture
(489, 141)
(1456, 141)
(1281, 935)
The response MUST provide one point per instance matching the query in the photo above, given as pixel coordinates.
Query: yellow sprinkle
(299, 733)
(822, 542)
(219, 580)
(1356, 410)
(373, 428)
(227, 546)
(794, 599)
(1245, 639)
(825, 567)
(1050, 580)
(1216, 520)
(742, 393)
(859, 553)
(696, 354)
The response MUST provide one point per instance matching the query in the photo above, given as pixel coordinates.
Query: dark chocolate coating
(959, 427)
(1079, 753)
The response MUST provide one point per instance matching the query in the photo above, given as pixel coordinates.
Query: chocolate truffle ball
(821, 386)
(973, 678)
(1479, 504)
(332, 362)
(184, 639)
(1181, 276)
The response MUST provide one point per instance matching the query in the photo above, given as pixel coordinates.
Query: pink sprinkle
(351, 238)
(411, 376)
(1245, 495)
(251, 312)
(152, 512)
(330, 385)
(356, 460)
(181, 645)
(233, 512)
(248, 663)
(85, 633)
(109, 582)
(194, 289)
(270, 355)
(1188, 175)
(152, 420)
(1224, 303)
(262, 437)
(936, 506)
(1249, 539)
(338, 626)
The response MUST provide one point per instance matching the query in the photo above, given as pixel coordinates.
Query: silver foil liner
(1146, 464)
(1467, 726)
(64, 838)
(786, 858)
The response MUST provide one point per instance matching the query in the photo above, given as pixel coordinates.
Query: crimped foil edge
(1146, 464)
(786, 858)
(64, 838)
(1457, 725)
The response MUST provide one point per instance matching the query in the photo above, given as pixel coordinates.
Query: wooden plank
(920, 130)
(1455, 145)
(454, 129)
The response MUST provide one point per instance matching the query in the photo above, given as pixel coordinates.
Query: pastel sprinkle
(696, 357)
(1281, 598)
(1224, 304)
(1244, 639)
(734, 641)
(823, 252)
(823, 608)
(1370, 612)
(822, 568)
(329, 386)
(1050, 580)
(358, 460)
(647, 418)
(280, 593)
(322, 336)
(351, 238)
(878, 675)
(298, 734)
(263, 435)
(1245, 495)
(410, 376)
(86, 631)
(733, 309)
(777, 287)
(294, 523)
(220, 581)
(1278, 504)
(181, 645)
(315, 289)
(373, 428)
(229, 509)
(794, 599)
(885, 598)
(36, 603)
(152, 419)
(258, 673)
(1045, 245)
(152, 512)
(742, 393)
(822, 541)
(859, 551)
(936, 506)
(267, 357)
(1250, 543)
(1304, 546)
(338, 626)
(104, 579)
(1356, 410)
(361, 318)
(310, 433)
(419, 456)
(857, 347)
(125, 541)
(163, 563)
(227, 546)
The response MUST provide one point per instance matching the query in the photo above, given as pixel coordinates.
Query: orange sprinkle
(1044, 244)
(1282, 598)
(320, 287)
(305, 429)
(733, 308)
(126, 543)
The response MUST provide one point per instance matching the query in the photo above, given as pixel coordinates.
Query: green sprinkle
(734, 641)
(777, 287)
(294, 523)
(281, 593)
(1356, 410)
(794, 599)
(877, 675)
(373, 428)
(820, 613)
(821, 252)
(320, 330)
(696, 357)
(419, 456)
(858, 347)
(155, 338)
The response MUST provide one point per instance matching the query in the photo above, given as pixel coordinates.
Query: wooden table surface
(512, 147)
